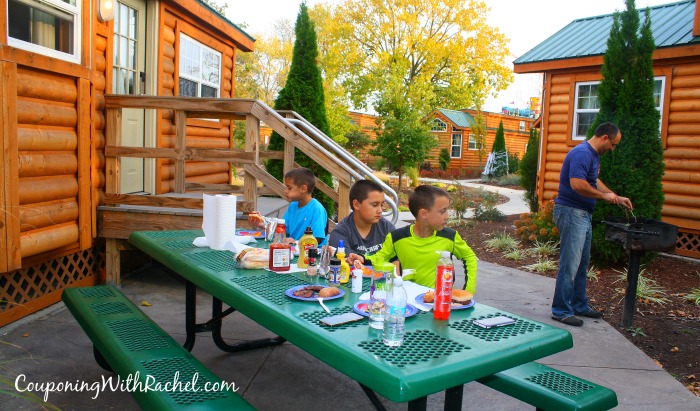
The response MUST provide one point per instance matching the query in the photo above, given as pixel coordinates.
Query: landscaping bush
(444, 159)
(538, 226)
(513, 162)
(527, 169)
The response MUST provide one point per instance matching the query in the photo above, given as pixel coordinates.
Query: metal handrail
(390, 196)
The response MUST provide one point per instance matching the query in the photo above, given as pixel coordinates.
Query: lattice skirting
(688, 244)
(30, 289)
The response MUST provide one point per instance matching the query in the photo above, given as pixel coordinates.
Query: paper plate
(419, 299)
(361, 308)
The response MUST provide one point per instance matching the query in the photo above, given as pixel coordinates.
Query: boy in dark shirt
(364, 230)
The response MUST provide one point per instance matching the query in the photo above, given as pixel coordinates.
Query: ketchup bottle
(280, 250)
(443, 287)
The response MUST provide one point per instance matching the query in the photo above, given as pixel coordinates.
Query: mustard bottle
(306, 242)
(344, 274)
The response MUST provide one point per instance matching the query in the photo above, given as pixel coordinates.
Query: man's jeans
(575, 231)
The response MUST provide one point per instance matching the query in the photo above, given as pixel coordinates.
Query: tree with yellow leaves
(438, 53)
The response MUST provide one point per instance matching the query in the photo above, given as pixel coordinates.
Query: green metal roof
(671, 25)
(459, 118)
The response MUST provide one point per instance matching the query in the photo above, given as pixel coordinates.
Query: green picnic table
(435, 356)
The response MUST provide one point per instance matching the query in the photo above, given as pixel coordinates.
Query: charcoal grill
(638, 236)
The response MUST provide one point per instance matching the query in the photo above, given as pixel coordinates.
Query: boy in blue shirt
(303, 211)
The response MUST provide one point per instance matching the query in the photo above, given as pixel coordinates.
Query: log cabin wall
(680, 133)
(46, 208)
(516, 139)
(200, 132)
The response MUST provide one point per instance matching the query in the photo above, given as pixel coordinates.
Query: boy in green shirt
(417, 246)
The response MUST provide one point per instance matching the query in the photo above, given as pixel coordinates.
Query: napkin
(219, 220)
(234, 246)
(412, 291)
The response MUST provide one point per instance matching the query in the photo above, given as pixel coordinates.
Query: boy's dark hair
(606, 128)
(423, 197)
(361, 189)
(302, 177)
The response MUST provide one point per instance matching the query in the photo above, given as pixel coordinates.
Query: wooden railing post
(343, 200)
(180, 145)
(113, 137)
(252, 144)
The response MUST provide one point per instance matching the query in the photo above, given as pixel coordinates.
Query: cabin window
(48, 27)
(522, 126)
(200, 69)
(438, 125)
(586, 108)
(473, 144)
(659, 87)
(456, 145)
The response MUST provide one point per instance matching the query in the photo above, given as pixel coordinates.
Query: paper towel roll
(219, 222)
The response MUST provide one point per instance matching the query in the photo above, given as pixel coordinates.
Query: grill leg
(631, 292)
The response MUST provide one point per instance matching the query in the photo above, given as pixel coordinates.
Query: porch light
(105, 10)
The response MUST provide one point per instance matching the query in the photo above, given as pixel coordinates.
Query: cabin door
(129, 78)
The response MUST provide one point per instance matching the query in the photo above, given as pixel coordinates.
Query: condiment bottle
(344, 274)
(333, 271)
(306, 242)
(312, 271)
(445, 272)
(280, 251)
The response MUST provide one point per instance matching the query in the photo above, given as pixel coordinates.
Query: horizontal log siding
(681, 180)
(516, 140)
(47, 143)
(200, 133)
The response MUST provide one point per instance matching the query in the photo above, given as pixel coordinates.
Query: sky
(525, 23)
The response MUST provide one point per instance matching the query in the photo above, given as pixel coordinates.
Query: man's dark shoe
(573, 321)
(591, 314)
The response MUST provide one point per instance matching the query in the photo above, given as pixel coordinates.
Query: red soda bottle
(443, 287)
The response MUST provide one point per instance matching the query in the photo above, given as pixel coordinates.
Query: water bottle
(395, 315)
(445, 274)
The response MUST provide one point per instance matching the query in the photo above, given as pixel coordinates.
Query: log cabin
(452, 129)
(570, 61)
(58, 59)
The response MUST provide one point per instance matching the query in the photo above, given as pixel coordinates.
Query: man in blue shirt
(579, 188)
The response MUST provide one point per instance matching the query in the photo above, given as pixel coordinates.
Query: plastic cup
(379, 286)
(356, 281)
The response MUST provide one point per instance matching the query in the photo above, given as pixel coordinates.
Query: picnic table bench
(549, 389)
(128, 342)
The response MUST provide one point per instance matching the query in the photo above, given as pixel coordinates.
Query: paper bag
(219, 223)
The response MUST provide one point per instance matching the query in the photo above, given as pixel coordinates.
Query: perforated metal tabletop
(435, 355)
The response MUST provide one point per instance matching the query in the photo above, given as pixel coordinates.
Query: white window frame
(438, 126)
(52, 6)
(522, 125)
(199, 80)
(578, 111)
(473, 144)
(660, 107)
(453, 145)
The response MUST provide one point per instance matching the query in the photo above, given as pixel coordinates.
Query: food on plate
(256, 220)
(311, 290)
(329, 292)
(461, 297)
(304, 293)
(253, 258)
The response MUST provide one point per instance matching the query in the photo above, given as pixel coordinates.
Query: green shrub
(509, 180)
(513, 162)
(444, 159)
(527, 169)
(538, 226)
(501, 241)
(488, 212)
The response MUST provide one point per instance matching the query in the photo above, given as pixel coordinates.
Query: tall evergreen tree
(626, 96)
(303, 93)
(528, 170)
(499, 161)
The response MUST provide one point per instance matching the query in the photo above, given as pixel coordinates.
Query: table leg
(217, 315)
(372, 397)
(214, 325)
(453, 398)
(419, 404)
